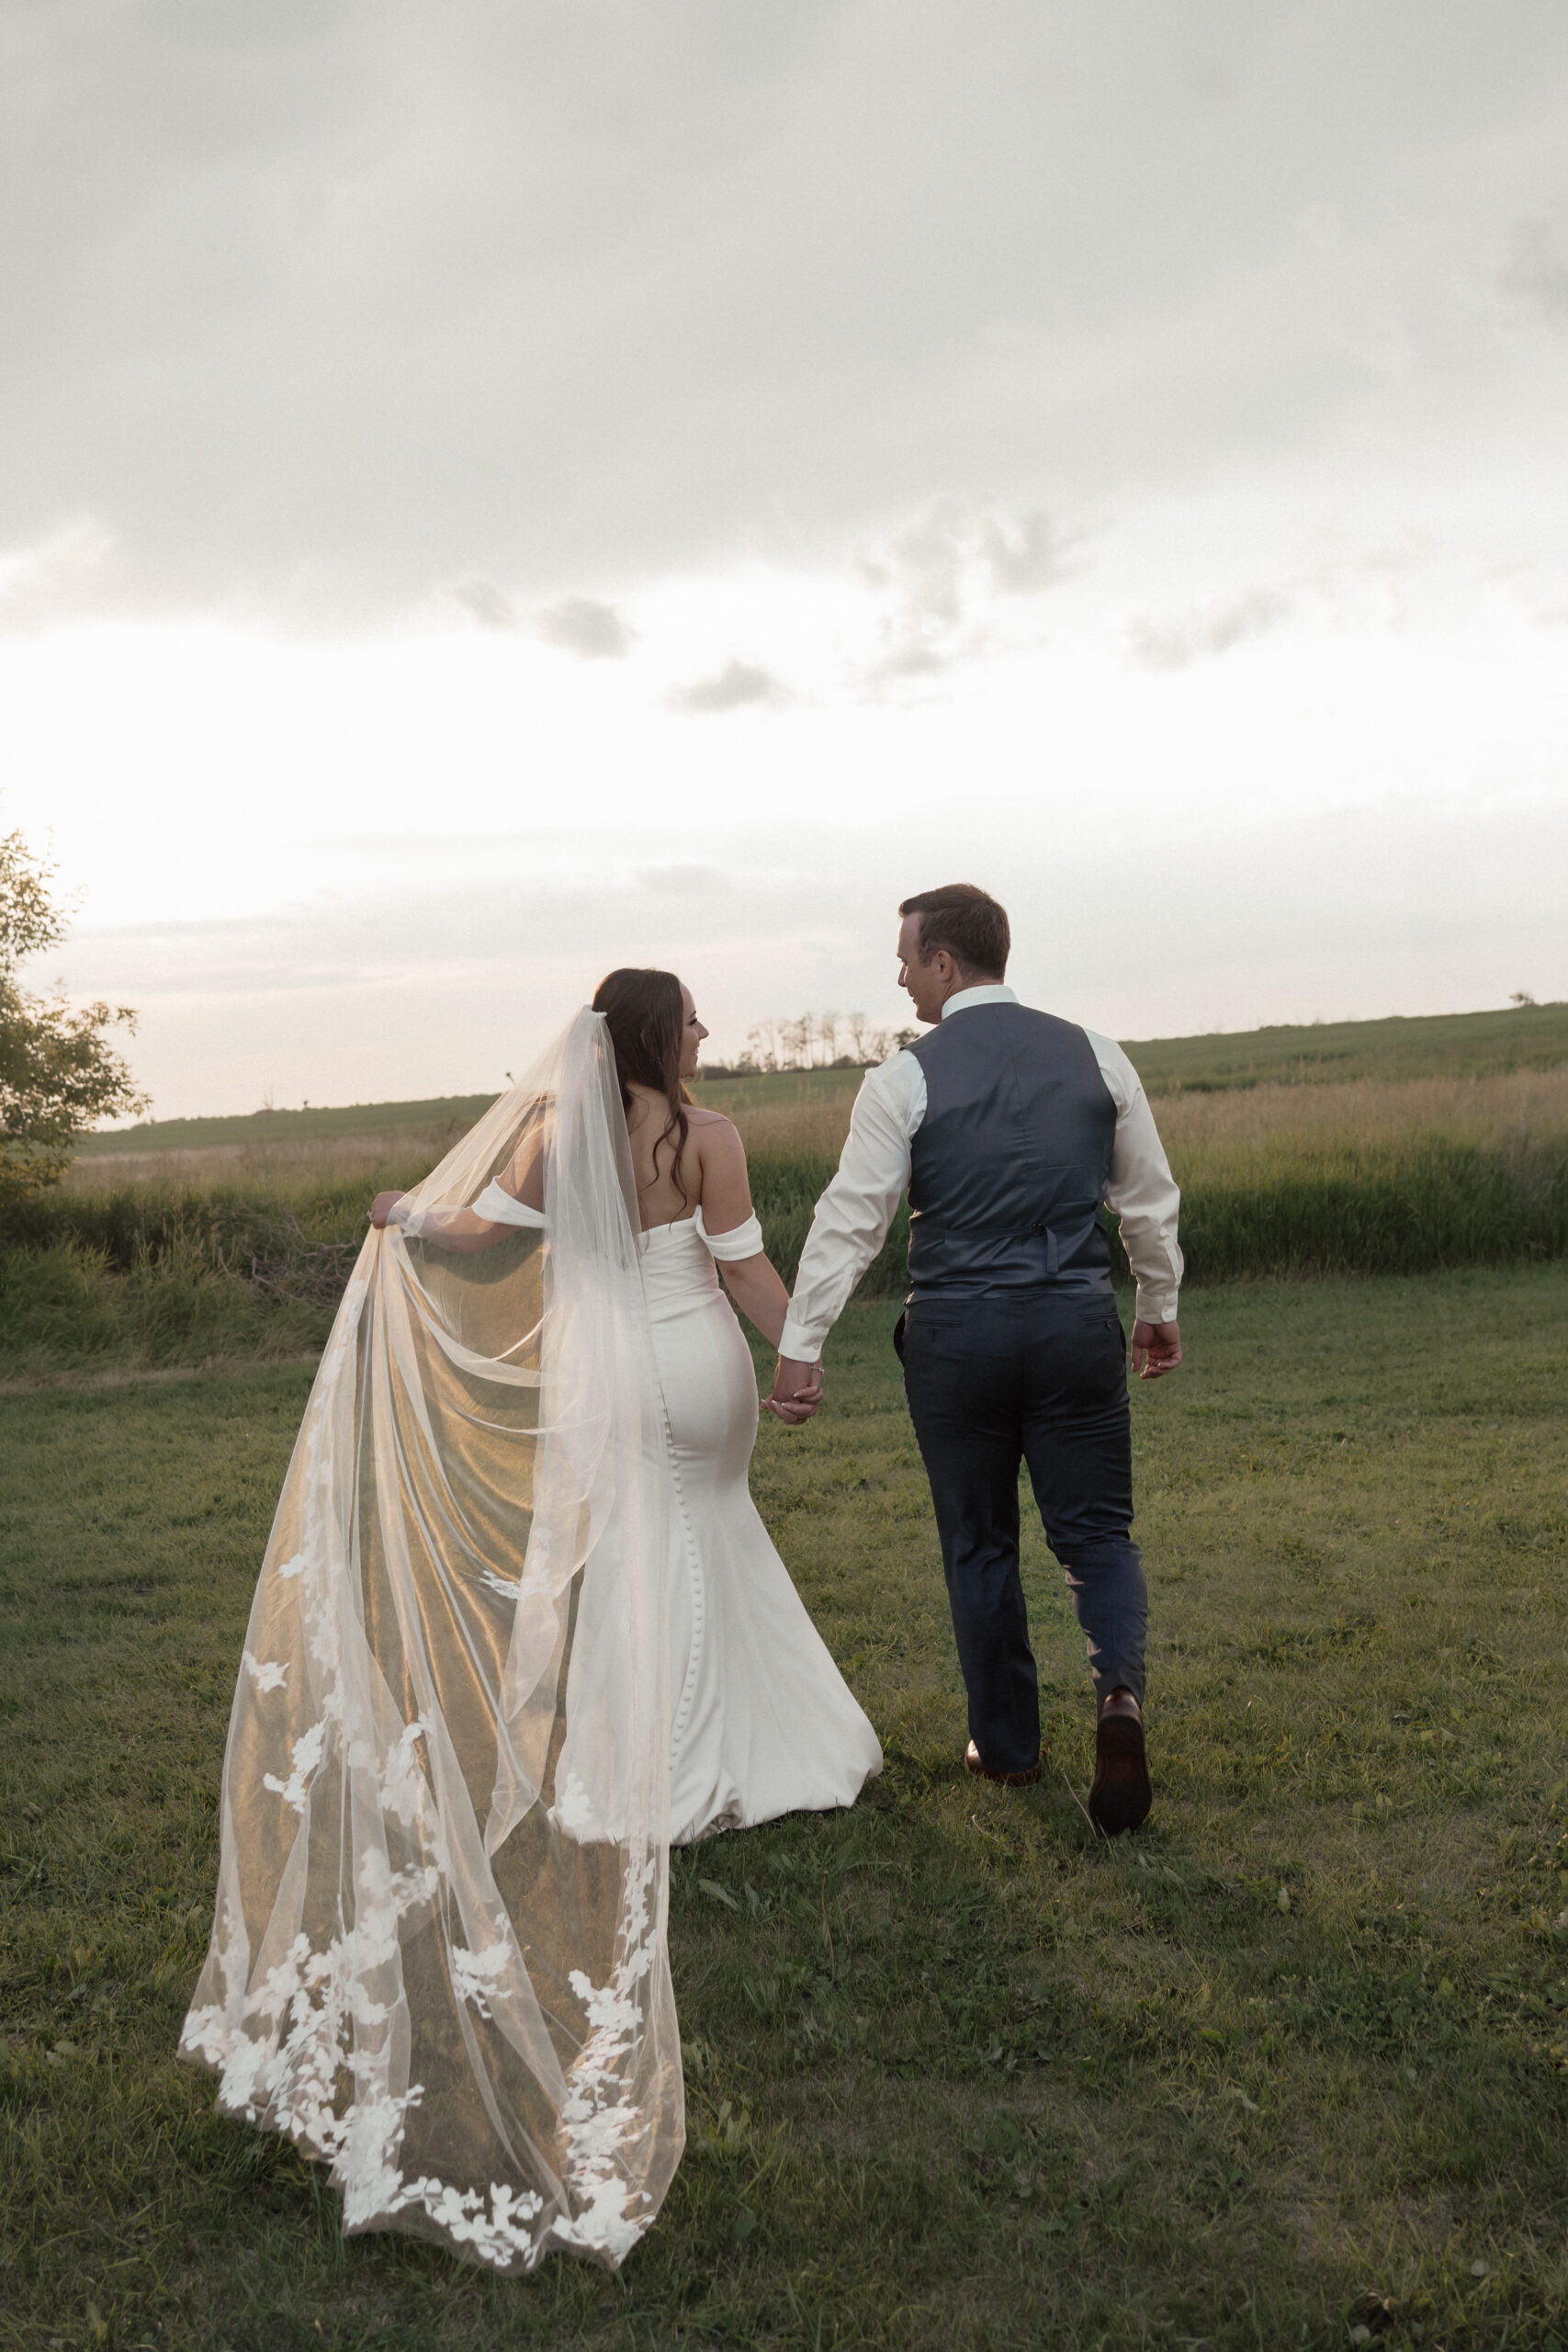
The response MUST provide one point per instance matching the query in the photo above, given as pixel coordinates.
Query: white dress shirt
(854, 1213)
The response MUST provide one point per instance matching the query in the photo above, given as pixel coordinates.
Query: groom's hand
(797, 1391)
(1156, 1349)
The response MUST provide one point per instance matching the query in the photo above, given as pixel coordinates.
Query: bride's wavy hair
(646, 1020)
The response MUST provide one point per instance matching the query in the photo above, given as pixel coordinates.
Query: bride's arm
(461, 1229)
(758, 1292)
(725, 1203)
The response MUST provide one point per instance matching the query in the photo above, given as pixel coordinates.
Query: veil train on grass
(439, 1959)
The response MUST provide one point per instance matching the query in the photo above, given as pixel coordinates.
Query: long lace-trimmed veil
(439, 1957)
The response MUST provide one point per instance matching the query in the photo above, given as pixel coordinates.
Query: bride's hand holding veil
(459, 1229)
(463, 1229)
(725, 1197)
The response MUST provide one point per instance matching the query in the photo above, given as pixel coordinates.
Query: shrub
(58, 1073)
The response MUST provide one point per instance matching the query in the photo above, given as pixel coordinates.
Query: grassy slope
(958, 2077)
(1460, 1043)
(458, 1111)
(1452, 1045)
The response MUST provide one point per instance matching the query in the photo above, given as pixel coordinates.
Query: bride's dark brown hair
(647, 1023)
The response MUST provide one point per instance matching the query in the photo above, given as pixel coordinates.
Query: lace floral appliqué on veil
(438, 1962)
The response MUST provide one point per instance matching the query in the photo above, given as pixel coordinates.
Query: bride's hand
(797, 1392)
(381, 1208)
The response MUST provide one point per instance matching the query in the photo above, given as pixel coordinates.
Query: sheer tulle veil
(439, 1958)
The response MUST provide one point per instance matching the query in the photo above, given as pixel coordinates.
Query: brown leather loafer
(1007, 1780)
(1121, 1796)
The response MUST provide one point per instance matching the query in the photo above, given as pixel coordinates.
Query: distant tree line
(813, 1041)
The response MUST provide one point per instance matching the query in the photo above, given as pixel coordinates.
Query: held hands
(381, 1208)
(797, 1392)
(1156, 1349)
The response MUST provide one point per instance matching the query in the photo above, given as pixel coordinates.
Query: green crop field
(1290, 2068)
(1381, 1147)
(1395, 1147)
(261, 1128)
(1453, 1045)
(224, 1252)
(1449, 1044)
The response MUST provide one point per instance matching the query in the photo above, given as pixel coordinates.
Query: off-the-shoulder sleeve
(496, 1206)
(501, 1207)
(741, 1241)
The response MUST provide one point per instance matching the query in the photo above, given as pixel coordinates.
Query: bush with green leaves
(58, 1072)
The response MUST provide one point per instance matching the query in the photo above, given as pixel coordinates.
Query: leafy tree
(58, 1071)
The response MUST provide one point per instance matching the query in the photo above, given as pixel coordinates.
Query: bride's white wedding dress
(518, 1625)
(763, 1723)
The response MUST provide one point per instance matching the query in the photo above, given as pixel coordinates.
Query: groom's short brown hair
(967, 922)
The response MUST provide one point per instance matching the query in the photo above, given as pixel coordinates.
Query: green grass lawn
(1289, 2065)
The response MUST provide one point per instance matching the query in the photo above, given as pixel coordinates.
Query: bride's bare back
(673, 1181)
(711, 1171)
(711, 1174)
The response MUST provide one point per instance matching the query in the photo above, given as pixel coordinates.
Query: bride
(519, 1627)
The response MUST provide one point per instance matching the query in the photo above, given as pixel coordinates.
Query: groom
(1010, 1129)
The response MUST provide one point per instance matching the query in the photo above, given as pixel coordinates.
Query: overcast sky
(491, 491)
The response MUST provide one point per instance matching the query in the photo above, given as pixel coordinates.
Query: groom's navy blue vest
(1009, 1165)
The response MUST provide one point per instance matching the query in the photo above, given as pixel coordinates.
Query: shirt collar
(993, 993)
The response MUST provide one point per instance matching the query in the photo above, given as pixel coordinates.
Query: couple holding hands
(520, 1628)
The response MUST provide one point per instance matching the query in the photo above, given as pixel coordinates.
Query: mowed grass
(1288, 2065)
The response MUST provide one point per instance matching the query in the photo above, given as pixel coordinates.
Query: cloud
(1173, 645)
(739, 685)
(1026, 557)
(628, 288)
(425, 993)
(578, 624)
(939, 575)
(921, 568)
(681, 881)
(39, 583)
(490, 605)
(1535, 271)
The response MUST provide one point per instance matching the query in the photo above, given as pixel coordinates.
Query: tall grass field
(1377, 1148)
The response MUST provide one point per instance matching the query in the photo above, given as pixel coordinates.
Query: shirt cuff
(1155, 1305)
(798, 1343)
